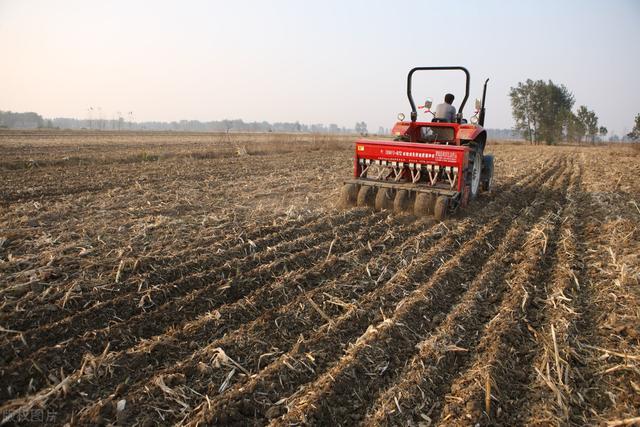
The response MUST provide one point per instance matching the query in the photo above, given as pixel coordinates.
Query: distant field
(183, 278)
(22, 149)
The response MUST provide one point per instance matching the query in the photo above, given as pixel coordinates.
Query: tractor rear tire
(349, 196)
(487, 173)
(475, 163)
(402, 201)
(366, 196)
(384, 199)
(424, 204)
(441, 209)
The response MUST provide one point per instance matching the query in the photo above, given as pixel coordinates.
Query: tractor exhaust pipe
(484, 97)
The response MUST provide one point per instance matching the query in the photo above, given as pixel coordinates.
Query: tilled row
(551, 394)
(200, 267)
(135, 363)
(157, 289)
(309, 356)
(58, 228)
(604, 362)
(140, 273)
(241, 280)
(420, 389)
(322, 344)
(235, 336)
(74, 178)
(341, 394)
(491, 390)
(284, 314)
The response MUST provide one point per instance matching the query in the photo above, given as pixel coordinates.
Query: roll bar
(414, 113)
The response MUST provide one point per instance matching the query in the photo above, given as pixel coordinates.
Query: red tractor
(434, 166)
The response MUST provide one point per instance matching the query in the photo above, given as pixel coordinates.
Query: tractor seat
(435, 120)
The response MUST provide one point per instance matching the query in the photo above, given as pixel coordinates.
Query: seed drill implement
(432, 167)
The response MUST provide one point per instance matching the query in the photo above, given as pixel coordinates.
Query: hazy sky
(312, 61)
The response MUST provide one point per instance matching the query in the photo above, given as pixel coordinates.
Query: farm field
(170, 278)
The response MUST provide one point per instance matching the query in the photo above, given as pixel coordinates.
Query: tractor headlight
(400, 117)
(474, 119)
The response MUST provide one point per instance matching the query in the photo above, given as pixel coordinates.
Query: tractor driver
(446, 112)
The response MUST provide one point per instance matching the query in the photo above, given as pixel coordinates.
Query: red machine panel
(409, 152)
(469, 132)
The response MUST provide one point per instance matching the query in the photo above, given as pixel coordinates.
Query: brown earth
(170, 278)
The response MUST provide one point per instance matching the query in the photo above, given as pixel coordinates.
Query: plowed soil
(162, 279)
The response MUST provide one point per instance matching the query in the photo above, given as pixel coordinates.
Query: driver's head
(448, 98)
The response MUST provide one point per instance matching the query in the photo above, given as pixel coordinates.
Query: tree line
(543, 112)
(30, 120)
(9, 119)
(234, 125)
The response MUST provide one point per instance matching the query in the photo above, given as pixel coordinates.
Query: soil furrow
(145, 272)
(340, 396)
(551, 393)
(322, 345)
(51, 189)
(490, 390)
(244, 297)
(123, 334)
(182, 280)
(419, 390)
(216, 256)
(604, 381)
(289, 305)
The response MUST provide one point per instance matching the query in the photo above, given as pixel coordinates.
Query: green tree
(522, 104)
(589, 120)
(635, 133)
(541, 110)
(603, 131)
(574, 128)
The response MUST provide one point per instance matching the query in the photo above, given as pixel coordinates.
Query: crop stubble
(203, 286)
